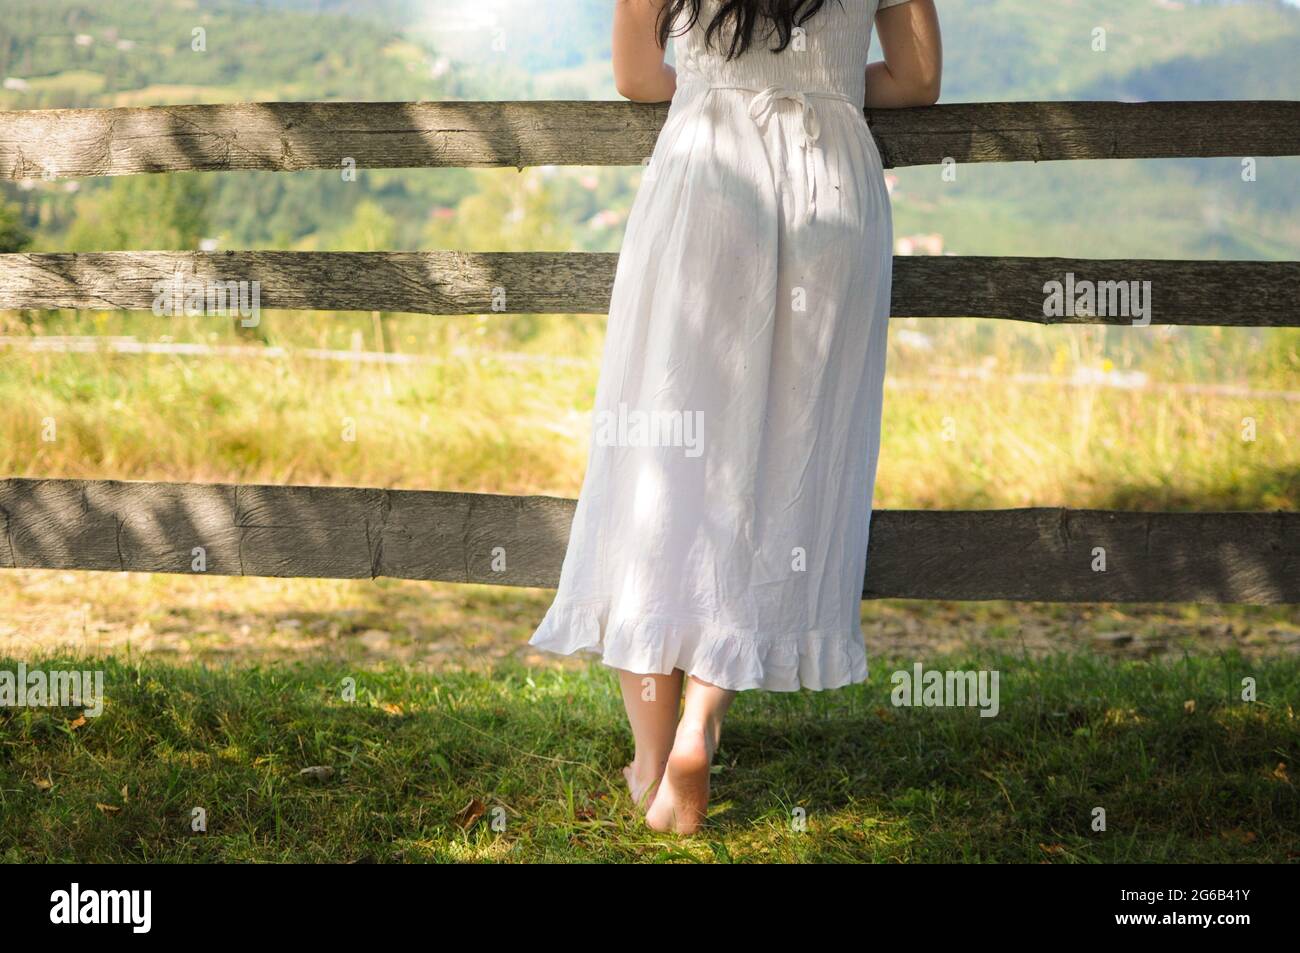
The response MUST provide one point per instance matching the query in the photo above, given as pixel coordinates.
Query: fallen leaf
(125, 798)
(74, 725)
(42, 784)
(1189, 706)
(391, 708)
(317, 772)
(470, 814)
(107, 808)
(1280, 772)
(1053, 848)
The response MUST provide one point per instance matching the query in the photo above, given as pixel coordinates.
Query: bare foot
(682, 800)
(641, 785)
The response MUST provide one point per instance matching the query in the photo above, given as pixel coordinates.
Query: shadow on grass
(1180, 765)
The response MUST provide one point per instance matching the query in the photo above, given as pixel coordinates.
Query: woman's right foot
(682, 801)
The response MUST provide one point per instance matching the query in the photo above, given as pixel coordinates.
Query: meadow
(978, 413)
(463, 744)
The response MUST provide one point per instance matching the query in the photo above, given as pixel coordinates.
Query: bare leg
(652, 703)
(682, 800)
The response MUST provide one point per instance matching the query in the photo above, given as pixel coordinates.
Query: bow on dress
(762, 105)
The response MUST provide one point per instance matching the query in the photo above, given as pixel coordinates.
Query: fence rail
(1226, 293)
(341, 532)
(1044, 554)
(290, 137)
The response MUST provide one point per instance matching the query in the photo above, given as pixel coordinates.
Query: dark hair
(782, 16)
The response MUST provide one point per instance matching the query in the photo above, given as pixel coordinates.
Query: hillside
(133, 52)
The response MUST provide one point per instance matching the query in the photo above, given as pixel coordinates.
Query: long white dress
(723, 521)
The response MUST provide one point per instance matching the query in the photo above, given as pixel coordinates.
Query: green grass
(878, 783)
(475, 423)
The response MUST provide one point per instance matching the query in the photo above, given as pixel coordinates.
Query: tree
(143, 212)
(13, 236)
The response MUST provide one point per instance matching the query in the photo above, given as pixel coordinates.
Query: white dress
(723, 520)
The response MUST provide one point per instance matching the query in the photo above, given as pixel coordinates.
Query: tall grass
(959, 430)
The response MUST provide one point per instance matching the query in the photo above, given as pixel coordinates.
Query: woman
(720, 538)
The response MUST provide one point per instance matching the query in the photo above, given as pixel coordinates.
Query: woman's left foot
(641, 788)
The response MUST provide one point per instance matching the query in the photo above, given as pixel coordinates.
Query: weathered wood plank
(442, 282)
(351, 533)
(1036, 132)
(295, 136)
(1228, 293)
(1048, 554)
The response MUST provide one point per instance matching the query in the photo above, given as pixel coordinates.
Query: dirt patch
(437, 626)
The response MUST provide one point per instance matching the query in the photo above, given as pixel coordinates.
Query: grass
(221, 691)
(1184, 769)
(477, 421)
(224, 620)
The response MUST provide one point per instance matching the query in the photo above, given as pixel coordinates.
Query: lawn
(520, 763)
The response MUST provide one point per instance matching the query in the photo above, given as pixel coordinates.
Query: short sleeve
(888, 3)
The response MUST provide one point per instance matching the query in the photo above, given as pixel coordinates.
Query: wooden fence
(342, 532)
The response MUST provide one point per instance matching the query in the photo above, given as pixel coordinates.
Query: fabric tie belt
(764, 103)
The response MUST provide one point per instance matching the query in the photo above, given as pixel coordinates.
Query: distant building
(912, 340)
(931, 244)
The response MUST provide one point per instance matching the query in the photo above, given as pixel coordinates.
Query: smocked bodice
(828, 54)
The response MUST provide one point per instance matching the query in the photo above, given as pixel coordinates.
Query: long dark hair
(782, 17)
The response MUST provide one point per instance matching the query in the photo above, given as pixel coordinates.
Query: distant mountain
(396, 13)
(1119, 49)
(127, 52)
(518, 49)
(62, 53)
(993, 49)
